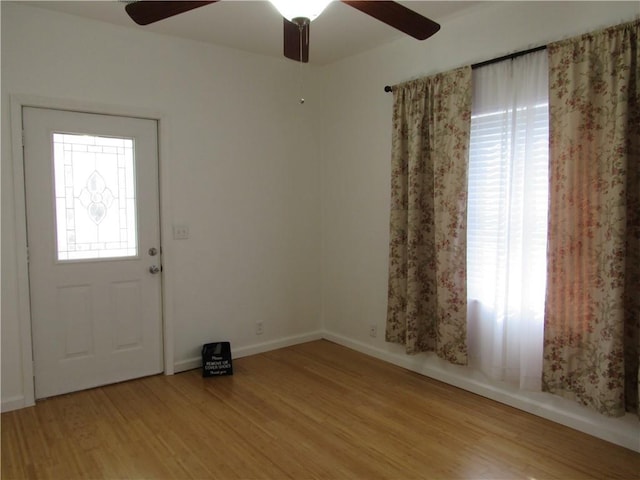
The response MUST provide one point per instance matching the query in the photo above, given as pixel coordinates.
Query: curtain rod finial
(388, 89)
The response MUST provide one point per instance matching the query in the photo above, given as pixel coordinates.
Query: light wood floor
(316, 410)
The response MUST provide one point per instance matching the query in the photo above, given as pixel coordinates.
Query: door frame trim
(18, 102)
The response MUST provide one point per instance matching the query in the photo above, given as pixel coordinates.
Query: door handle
(154, 269)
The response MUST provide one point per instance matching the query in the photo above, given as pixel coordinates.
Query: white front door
(93, 239)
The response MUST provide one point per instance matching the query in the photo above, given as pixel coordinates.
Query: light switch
(180, 232)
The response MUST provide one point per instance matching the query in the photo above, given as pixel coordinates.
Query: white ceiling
(256, 26)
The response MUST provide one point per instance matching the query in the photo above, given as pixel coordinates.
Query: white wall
(356, 176)
(238, 166)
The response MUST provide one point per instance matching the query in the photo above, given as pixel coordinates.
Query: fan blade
(292, 41)
(146, 12)
(398, 16)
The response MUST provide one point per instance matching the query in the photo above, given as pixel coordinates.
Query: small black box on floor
(216, 359)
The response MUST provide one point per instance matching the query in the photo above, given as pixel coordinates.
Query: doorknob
(154, 269)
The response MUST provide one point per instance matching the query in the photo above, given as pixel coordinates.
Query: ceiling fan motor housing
(301, 21)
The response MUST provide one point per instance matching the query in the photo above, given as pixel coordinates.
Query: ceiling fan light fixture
(300, 9)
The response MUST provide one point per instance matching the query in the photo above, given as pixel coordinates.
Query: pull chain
(300, 72)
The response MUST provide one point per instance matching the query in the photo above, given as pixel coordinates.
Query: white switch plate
(180, 232)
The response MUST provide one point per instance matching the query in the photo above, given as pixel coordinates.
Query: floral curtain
(427, 298)
(591, 340)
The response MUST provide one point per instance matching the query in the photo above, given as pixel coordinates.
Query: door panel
(75, 314)
(125, 298)
(91, 185)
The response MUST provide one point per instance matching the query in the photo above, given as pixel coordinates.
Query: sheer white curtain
(507, 219)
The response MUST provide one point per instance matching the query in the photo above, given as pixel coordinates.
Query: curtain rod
(511, 56)
(508, 57)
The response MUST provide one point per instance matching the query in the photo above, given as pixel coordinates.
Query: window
(95, 197)
(507, 219)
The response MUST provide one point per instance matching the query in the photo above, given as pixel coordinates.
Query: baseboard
(624, 431)
(13, 403)
(191, 363)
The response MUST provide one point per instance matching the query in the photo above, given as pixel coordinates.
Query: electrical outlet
(373, 331)
(259, 328)
(180, 232)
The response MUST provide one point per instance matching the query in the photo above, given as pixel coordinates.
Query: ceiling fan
(297, 17)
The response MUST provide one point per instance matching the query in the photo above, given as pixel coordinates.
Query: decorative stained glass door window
(95, 197)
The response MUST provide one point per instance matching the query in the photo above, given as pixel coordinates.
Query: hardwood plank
(316, 410)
